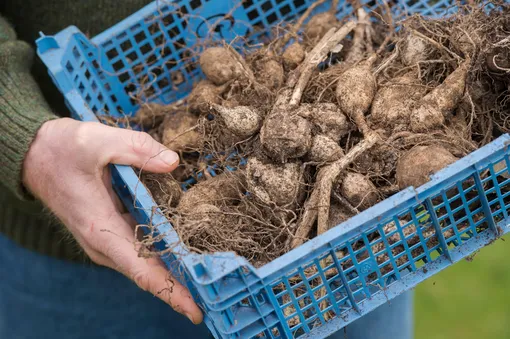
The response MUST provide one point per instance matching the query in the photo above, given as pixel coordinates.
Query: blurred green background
(470, 300)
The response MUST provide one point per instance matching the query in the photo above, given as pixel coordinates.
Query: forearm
(22, 107)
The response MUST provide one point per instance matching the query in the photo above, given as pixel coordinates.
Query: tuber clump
(289, 137)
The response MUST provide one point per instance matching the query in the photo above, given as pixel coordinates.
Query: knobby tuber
(433, 108)
(180, 132)
(220, 65)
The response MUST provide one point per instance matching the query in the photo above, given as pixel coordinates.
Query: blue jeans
(41, 297)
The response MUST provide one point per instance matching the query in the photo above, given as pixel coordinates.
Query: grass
(470, 300)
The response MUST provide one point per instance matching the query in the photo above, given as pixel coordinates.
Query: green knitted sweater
(28, 99)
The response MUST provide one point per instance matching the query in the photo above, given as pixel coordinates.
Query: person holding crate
(52, 280)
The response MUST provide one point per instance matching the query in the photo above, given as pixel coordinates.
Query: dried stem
(316, 56)
(358, 41)
(318, 204)
(297, 26)
(391, 25)
(345, 203)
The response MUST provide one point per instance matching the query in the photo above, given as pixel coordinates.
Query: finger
(139, 149)
(149, 274)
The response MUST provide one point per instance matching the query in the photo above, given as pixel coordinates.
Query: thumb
(139, 149)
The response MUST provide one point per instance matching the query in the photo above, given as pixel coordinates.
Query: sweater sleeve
(22, 107)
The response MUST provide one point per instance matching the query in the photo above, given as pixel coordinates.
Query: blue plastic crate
(354, 268)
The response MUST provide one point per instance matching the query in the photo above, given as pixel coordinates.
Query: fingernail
(190, 317)
(169, 157)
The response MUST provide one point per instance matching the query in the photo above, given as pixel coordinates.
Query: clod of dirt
(180, 132)
(243, 121)
(220, 190)
(220, 65)
(286, 136)
(203, 95)
(274, 184)
(395, 100)
(414, 49)
(318, 26)
(327, 118)
(378, 161)
(441, 101)
(418, 164)
(165, 190)
(271, 74)
(293, 55)
(359, 190)
(324, 149)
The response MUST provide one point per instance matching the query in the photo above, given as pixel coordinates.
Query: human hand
(67, 169)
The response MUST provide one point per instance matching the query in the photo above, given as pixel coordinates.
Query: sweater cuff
(23, 110)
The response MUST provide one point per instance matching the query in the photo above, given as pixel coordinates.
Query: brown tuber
(355, 92)
(356, 88)
(274, 184)
(418, 164)
(441, 101)
(414, 50)
(359, 191)
(286, 136)
(165, 190)
(271, 74)
(220, 65)
(150, 114)
(180, 132)
(293, 55)
(243, 121)
(318, 26)
(219, 190)
(324, 149)
(327, 118)
(395, 100)
(338, 214)
(203, 95)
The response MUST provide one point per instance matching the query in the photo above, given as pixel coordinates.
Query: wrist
(38, 157)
